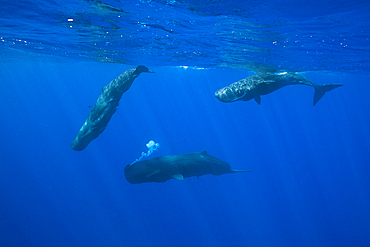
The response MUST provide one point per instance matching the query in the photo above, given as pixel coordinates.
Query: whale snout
(78, 146)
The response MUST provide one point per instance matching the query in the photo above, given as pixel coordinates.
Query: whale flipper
(320, 90)
(257, 98)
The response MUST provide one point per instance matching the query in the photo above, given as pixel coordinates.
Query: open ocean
(310, 179)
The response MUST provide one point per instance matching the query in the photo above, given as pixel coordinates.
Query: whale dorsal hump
(257, 98)
(178, 177)
(203, 153)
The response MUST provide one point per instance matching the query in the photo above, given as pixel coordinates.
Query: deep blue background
(309, 185)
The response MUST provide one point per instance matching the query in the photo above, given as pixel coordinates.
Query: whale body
(162, 169)
(105, 107)
(264, 83)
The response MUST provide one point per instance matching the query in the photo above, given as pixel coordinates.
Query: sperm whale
(264, 83)
(105, 107)
(162, 169)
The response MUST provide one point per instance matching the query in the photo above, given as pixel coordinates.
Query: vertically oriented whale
(264, 83)
(178, 167)
(105, 107)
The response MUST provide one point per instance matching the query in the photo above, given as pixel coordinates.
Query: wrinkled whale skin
(105, 107)
(162, 169)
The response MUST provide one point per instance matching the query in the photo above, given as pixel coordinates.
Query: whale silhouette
(105, 107)
(178, 167)
(264, 83)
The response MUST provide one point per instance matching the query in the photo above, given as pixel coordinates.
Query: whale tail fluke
(320, 90)
(141, 68)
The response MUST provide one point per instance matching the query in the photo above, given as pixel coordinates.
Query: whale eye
(201, 156)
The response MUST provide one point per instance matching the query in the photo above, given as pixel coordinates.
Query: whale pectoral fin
(257, 98)
(178, 177)
(153, 173)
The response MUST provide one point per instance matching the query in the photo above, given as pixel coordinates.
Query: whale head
(88, 132)
(229, 94)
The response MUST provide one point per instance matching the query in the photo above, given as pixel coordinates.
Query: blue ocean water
(310, 178)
